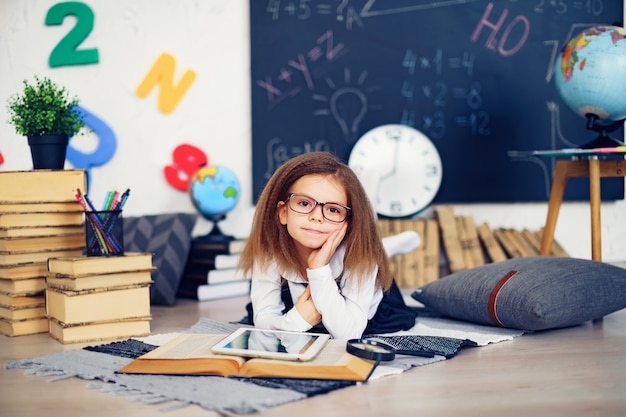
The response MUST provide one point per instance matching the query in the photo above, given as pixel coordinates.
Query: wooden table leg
(594, 201)
(559, 181)
(594, 169)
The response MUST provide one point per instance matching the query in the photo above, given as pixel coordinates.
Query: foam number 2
(163, 71)
(187, 160)
(66, 52)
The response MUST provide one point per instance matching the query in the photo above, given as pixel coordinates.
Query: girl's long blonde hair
(269, 240)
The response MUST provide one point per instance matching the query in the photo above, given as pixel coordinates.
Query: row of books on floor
(453, 243)
(211, 270)
(40, 218)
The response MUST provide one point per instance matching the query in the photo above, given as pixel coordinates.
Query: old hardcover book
(416, 257)
(91, 332)
(41, 185)
(507, 243)
(24, 271)
(557, 249)
(224, 290)
(83, 265)
(491, 244)
(385, 228)
(66, 218)
(205, 255)
(74, 307)
(89, 282)
(39, 243)
(526, 247)
(471, 244)
(40, 207)
(412, 262)
(201, 291)
(521, 247)
(219, 276)
(431, 252)
(190, 354)
(399, 261)
(533, 239)
(466, 244)
(198, 267)
(21, 301)
(41, 231)
(23, 327)
(16, 258)
(23, 286)
(205, 247)
(226, 260)
(450, 238)
(15, 314)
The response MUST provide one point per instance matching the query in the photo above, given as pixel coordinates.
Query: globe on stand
(589, 77)
(214, 191)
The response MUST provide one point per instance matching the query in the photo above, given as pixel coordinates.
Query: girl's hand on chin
(321, 256)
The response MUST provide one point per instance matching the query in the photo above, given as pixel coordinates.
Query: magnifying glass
(371, 349)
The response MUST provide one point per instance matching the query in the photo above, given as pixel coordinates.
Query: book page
(187, 346)
(333, 352)
(333, 362)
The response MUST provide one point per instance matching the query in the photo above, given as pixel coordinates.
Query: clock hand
(395, 139)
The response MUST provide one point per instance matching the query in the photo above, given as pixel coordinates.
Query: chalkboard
(475, 76)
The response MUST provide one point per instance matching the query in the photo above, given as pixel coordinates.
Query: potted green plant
(46, 114)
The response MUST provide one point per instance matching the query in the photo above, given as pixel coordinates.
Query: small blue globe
(214, 191)
(590, 73)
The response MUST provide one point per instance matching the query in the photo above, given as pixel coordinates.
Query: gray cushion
(168, 238)
(532, 293)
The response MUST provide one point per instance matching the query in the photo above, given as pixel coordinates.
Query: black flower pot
(48, 151)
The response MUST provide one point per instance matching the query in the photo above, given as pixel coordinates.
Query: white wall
(209, 37)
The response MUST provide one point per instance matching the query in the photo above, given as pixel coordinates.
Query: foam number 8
(187, 160)
(66, 52)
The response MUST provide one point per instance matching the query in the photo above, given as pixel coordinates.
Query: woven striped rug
(227, 396)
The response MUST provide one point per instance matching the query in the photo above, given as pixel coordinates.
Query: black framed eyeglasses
(303, 204)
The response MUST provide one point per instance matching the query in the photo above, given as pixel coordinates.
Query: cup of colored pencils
(104, 229)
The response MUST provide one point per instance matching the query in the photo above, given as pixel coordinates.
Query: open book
(190, 354)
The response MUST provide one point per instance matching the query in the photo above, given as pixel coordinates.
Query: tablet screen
(272, 343)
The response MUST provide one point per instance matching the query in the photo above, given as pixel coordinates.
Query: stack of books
(90, 298)
(39, 218)
(211, 270)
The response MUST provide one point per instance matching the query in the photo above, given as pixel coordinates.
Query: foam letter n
(163, 72)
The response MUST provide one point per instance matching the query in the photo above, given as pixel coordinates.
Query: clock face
(399, 167)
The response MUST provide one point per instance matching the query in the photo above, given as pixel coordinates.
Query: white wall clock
(400, 167)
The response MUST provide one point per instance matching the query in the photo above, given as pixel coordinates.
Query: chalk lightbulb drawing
(348, 105)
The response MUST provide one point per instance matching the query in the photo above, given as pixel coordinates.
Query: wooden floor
(578, 371)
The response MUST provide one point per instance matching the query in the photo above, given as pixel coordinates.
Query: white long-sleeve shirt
(344, 314)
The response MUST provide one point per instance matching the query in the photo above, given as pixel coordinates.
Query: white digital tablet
(271, 344)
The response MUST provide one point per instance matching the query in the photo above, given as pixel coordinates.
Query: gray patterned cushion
(532, 293)
(168, 238)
